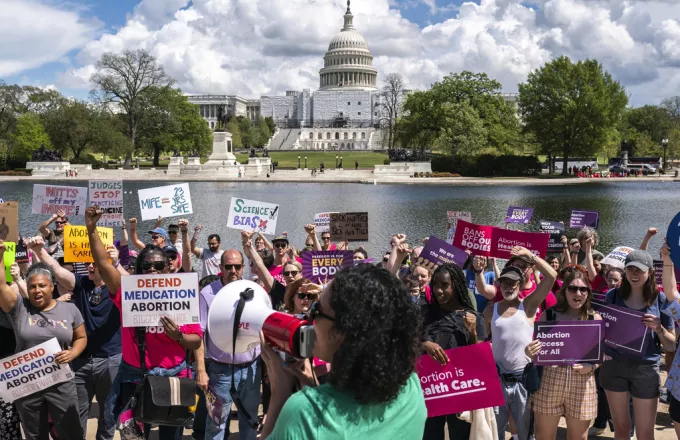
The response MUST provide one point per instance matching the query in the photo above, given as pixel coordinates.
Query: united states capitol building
(343, 114)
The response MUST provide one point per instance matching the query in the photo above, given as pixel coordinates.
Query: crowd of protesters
(372, 323)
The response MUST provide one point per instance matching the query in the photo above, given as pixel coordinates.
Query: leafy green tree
(233, 128)
(262, 132)
(248, 136)
(75, 127)
(271, 125)
(571, 108)
(28, 136)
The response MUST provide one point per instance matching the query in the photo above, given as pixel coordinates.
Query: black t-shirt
(101, 316)
(276, 294)
(447, 329)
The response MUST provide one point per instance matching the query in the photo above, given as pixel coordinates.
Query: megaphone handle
(253, 422)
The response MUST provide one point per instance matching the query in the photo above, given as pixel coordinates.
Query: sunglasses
(280, 245)
(172, 257)
(60, 223)
(315, 312)
(574, 289)
(386, 259)
(307, 296)
(229, 267)
(173, 232)
(158, 265)
(325, 238)
(291, 273)
(156, 237)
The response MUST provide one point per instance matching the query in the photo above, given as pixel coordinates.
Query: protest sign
(617, 257)
(517, 214)
(658, 272)
(556, 231)
(468, 382)
(623, 328)
(321, 266)
(569, 342)
(673, 239)
(437, 252)
(148, 297)
(77, 243)
(453, 217)
(10, 257)
(32, 370)
(349, 226)
(322, 221)
(9, 221)
(48, 199)
(251, 215)
(22, 252)
(214, 404)
(108, 195)
(504, 240)
(165, 201)
(580, 219)
(475, 238)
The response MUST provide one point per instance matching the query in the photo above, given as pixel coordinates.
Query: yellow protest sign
(10, 257)
(77, 243)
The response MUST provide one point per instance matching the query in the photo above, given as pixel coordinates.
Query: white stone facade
(335, 139)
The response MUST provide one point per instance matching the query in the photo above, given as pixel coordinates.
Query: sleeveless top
(510, 336)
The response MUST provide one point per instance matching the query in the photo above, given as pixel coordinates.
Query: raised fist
(92, 216)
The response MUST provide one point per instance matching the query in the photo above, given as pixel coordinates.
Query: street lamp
(305, 162)
(336, 161)
(664, 143)
(298, 162)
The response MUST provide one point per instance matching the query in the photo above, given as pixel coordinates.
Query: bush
(89, 159)
(488, 165)
(386, 162)
(15, 173)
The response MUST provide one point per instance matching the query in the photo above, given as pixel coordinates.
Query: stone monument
(222, 151)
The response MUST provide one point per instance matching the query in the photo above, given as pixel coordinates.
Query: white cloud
(256, 47)
(34, 33)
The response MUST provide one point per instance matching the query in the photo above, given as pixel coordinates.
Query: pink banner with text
(491, 241)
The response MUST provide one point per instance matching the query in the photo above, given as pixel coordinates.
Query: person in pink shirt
(167, 345)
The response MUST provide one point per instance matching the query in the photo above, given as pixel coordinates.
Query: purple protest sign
(569, 342)
(624, 329)
(321, 266)
(658, 271)
(437, 252)
(556, 231)
(518, 214)
(580, 219)
(214, 404)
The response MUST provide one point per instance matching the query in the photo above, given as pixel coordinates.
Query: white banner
(165, 201)
(32, 370)
(452, 218)
(322, 221)
(148, 297)
(251, 215)
(48, 199)
(108, 195)
(617, 257)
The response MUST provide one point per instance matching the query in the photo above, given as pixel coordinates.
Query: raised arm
(183, 225)
(532, 301)
(139, 244)
(7, 296)
(195, 250)
(126, 238)
(670, 287)
(651, 232)
(590, 265)
(109, 274)
(496, 270)
(268, 244)
(258, 265)
(65, 279)
(44, 227)
(159, 222)
(488, 291)
(566, 256)
(19, 281)
(399, 251)
(310, 229)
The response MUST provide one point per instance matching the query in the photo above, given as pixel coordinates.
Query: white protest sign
(322, 221)
(617, 257)
(108, 195)
(453, 217)
(48, 199)
(251, 215)
(148, 297)
(165, 201)
(32, 370)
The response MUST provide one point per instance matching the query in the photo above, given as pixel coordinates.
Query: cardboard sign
(32, 370)
(490, 241)
(569, 342)
(579, 219)
(148, 297)
(77, 243)
(673, 239)
(9, 257)
(617, 257)
(9, 221)
(556, 231)
(108, 195)
(165, 201)
(214, 404)
(251, 215)
(452, 218)
(624, 329)
(517, 214)
(321, 266)
(469, 381)
(48, 199)
(437, 252)
(322, 221)
(349, 226)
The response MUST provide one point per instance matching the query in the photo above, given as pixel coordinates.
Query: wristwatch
(181, 336)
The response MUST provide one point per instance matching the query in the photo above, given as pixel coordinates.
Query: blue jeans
(247, 388)
(516, 403)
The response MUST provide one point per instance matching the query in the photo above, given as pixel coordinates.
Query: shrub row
(488, 165)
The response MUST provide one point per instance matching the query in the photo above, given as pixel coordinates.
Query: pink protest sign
(469, 381)
(472, 237)
(490, 241)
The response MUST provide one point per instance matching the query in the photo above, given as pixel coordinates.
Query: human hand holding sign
(171, 329)
(436, 352)
(64, 356)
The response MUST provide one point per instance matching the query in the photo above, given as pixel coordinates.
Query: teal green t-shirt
(325, 413)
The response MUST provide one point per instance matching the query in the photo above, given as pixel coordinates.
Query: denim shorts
(628, 376)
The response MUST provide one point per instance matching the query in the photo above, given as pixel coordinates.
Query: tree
(262, 133)
(28, 136)
(74, 127)
(651, 119)
(271, 125)
(391, 97)
(248, 136)
(233, 128)
(571, 108)
(122, 80)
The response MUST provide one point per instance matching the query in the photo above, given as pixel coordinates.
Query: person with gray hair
(36, 320)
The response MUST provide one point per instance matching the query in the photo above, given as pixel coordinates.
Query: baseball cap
(160, 231)
(170, 249)
(640, 259)
(280, 238)
(511, 273)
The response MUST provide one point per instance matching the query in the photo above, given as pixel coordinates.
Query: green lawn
(289, 159)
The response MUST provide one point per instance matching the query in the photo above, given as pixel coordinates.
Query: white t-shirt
(211, 261)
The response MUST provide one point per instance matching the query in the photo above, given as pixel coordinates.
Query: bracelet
(115, 266)
(478, 271)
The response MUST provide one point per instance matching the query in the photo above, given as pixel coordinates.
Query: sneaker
(593, 431)
(663, 396)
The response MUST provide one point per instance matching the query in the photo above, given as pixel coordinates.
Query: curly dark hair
(458, 283)
(382, 331)
(149, 250)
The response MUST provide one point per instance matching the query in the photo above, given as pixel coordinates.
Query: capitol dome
(348, 64)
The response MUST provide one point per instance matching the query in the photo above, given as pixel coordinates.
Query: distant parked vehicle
(644, 167)
(618, 169)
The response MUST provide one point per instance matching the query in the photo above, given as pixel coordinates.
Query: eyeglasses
(173, 232)
(236, 267)
(315, 312)
(509, 284)
(60, 223)
(574, 289)
(307, 296)
(280, 245)
(158, 265)
(386, 259)
(325, 238)
(291, 273)
(172, 257)
(156, 237)
(309, 244)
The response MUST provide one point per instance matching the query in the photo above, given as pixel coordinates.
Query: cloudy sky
(260, 47)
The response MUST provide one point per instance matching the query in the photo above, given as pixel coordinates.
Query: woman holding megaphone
(368, 329)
